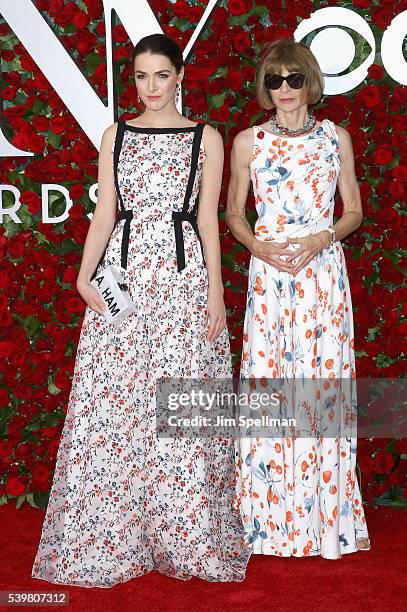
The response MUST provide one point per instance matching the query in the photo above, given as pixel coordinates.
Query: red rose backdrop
(40, 309)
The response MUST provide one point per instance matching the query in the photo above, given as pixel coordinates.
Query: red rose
(76, 212)
(7, 55)
(57, 124)
(375, 71)
(41, 472)
(80, 20)
(76, 191)
(75, 305)
(5, 448)
(383, 156)
(15, 487)
(119, 34)
(220, 114)
(8, 93)
(383, 462)
(369, 96)
(381, 16)
(241, 42)
(237, 7)
(4, 398)
(69, 275)
(400, 172)
(396, 189)
(362, 3)
(40, 123)
(32, 200)
(180, 8)
(16, 247)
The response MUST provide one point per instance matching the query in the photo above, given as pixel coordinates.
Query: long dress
(299, 496)
(125, 501)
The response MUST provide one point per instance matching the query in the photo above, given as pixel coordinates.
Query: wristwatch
(333, 235)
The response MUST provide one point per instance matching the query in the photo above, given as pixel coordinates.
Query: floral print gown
(125, 501)
(298, 496)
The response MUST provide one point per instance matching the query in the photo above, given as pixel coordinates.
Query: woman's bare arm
(208, 226)
(102, 223)
(236, 203)
(104, 215)
(348, 188)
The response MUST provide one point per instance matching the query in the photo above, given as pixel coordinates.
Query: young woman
(298, 495)
(125, 501)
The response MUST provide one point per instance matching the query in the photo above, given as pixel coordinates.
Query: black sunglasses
(274, 81)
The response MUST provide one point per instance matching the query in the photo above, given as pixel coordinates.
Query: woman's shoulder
(337, 131)
(244, 138)
(210, 135)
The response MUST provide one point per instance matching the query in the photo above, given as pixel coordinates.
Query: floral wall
(40, 309)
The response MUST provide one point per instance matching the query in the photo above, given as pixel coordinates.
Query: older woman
(298, 495)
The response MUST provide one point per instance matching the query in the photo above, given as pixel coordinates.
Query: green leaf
(238, 20)
(41, 499)
(93, 60)
(217, 100)
(38, 106)
(54, 139)
(219, 72)
(31, 325)
(20, 500)
(30, 499)
(53, 389)
(259, 10)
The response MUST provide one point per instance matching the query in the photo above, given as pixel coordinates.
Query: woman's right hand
(271, 253)
(91, 296)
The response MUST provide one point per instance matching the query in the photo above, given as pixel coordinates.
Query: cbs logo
(335, 48)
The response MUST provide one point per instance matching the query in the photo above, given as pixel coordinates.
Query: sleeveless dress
(298, 496)
(123, 500)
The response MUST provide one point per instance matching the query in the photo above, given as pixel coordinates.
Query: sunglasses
(274, 81)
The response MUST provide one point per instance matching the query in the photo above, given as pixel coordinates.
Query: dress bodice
(294, 181)
(154, 167)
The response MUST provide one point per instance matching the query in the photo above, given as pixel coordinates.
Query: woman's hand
(91, 296)
(309, 247)
(271, 253)
(216, 318)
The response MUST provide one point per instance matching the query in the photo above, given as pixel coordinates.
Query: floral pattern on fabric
(298, 496)
(124, 501)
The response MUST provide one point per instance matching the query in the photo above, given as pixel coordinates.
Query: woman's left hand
(309, 247)
(216, 318)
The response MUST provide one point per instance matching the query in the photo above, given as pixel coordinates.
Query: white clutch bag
(114, 294)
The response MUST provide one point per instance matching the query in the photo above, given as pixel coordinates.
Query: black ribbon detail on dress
(184, 214)
(128, 215)
(177, 216)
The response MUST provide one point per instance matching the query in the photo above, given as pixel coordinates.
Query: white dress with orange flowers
(298, 496)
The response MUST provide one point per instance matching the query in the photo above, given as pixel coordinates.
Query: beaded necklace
(281, 129)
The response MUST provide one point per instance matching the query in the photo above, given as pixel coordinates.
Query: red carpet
(373, 580)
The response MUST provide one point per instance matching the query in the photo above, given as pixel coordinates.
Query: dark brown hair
(159, 44)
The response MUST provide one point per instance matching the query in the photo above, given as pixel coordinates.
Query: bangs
(294, 57)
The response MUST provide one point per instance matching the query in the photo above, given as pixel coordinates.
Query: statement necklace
(281, 129)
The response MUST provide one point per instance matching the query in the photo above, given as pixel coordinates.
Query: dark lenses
(296, 80)
(274, 81)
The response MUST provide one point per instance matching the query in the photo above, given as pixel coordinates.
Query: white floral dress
(300, 496)
(125, 501)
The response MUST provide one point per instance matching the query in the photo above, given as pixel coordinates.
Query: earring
(177, 93)
(138, 99)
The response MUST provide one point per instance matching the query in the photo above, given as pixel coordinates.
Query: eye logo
(334, 47)
(392, 49)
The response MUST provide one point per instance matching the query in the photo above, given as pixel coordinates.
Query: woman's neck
(293, 120)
